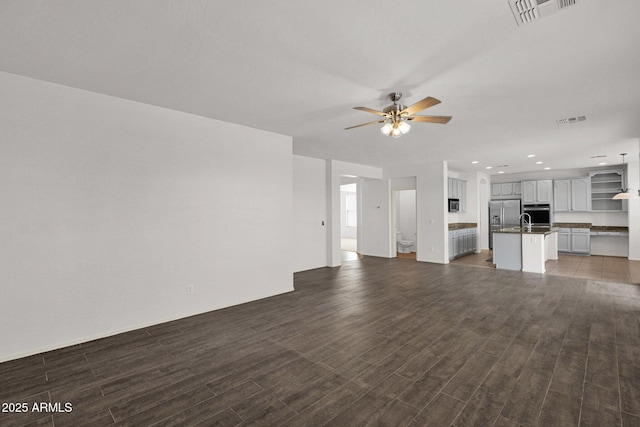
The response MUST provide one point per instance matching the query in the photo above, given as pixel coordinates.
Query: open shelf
(605, 185)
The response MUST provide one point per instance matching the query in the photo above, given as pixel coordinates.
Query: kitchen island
(521, 248)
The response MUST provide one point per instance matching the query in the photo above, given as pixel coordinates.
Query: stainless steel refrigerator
(503, 214)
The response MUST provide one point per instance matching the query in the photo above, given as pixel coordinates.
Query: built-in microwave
(454, 205)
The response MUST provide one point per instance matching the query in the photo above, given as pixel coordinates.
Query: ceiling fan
(397, 117)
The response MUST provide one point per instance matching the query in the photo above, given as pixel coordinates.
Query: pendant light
(624, 192)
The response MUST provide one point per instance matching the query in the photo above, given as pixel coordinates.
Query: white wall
(309, 213)
(433, 242)
(111, 208)
(374, 236)
(633, 180)
(335, 170)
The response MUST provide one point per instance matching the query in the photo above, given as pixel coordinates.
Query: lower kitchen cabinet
(462, 242)
(574, 241)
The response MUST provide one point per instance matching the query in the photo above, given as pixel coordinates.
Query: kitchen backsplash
(619, 219)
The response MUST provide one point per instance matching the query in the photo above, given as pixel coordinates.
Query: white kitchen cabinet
(505, 190)
(544, 191)
(451, 246)
(580, 194)
(571, 195)
(453, 188)
(564, 241)
(574, 240)
(462, 242)
(529, 191)
(580, 243)
(517, 186)
(562, 195)
(458, 190)
(540, 191)
(496, 190)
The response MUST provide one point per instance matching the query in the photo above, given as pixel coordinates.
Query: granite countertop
(525, 230)
(462, 225)
(610, 228)
(592, 227)
(572, 224)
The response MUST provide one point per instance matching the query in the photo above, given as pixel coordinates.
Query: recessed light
(547, 168)
(531, 155)
(602, 163)
(488, 167)
(475, 162)
(539, 163)
(501, 172)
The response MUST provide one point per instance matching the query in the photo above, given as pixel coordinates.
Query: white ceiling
(298, 68)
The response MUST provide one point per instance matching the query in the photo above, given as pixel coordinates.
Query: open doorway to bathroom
(349, 220)
(404, 204)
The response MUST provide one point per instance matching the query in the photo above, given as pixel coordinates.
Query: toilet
(404, 246)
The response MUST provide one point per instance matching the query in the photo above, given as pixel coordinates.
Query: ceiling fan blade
(430, 119)
(365, 124)
(370, 110)
(420, 105)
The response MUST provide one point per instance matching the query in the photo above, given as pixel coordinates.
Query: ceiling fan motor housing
(395, 96)
(394, 109)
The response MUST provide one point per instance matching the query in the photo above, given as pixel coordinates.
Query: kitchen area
(537, 220)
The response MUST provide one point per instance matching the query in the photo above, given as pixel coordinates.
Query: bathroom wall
(406, 215)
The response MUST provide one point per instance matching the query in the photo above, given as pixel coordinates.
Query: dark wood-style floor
(385, 342)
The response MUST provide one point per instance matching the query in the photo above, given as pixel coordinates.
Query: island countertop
(525, 230)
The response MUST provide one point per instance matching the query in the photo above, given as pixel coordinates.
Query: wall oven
(540, 214)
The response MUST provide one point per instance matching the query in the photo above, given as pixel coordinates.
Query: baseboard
(130, 329)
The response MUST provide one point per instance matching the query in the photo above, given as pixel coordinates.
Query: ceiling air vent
(571, 120)
(526, 11)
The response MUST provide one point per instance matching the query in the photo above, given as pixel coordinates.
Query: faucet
(527, 223)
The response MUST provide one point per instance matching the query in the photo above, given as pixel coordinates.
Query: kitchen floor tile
(596, 275)
(568, 272)
(616, 277)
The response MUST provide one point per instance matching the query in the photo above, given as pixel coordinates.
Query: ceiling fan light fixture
(404, 127)
(396, 117)
(395, 129)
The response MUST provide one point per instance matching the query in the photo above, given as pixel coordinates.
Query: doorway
(349, 218)
(405, 224)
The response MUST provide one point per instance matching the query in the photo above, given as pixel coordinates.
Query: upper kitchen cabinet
(506, 190)
(604, 185)
(458, 190)
(572, 195)
(540, 191)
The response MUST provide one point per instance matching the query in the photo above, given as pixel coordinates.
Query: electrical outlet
(189, 289)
